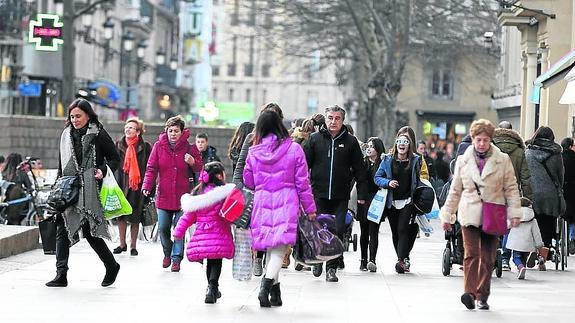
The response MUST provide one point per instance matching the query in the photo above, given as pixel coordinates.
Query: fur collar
(493, 163)
(192, 203)
(502, 135)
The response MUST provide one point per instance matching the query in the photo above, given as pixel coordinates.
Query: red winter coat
(172, 171)
(213, 236)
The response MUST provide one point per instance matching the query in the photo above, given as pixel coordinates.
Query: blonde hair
(140, 124)
(481, 126)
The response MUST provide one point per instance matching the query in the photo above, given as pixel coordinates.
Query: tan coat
(497, 184)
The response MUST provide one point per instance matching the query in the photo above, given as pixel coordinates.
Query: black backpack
(423, 199)
(444, 192)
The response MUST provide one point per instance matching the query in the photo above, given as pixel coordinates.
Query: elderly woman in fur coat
(485, 168)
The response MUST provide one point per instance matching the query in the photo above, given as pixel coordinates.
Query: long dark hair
(543, 132)
(378, 146)
(85, 106)
(213, 169)
(269, 122)
(11, 168)
(240, 136)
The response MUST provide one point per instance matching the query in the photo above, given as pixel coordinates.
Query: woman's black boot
(111, 274)
(61, 280)
(264, 295)
(212, 294)
(276, 295)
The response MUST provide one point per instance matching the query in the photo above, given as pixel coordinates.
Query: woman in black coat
(369, 230)
(85, 149)
(568, 146)
(545, 163)
(134, 154)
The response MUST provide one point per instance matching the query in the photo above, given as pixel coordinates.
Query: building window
(215, 94)
(265, 96)
(235, 18)
(248, 70)
(442, 83)
(231, 69)
(312, 103)
(266, 70)
(248, 95)
(252, 14)
(231, 95)
(215, 70)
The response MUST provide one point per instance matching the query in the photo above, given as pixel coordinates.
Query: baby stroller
(454, 252)
(349, 237)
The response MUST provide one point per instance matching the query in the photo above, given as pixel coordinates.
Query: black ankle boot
(111, 274)
(212, 294)
(61, 280)
(276, 295)
(264, 295)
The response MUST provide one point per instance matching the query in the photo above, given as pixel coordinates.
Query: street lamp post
(127, 47)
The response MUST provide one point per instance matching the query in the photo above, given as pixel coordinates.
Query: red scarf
(131, 164)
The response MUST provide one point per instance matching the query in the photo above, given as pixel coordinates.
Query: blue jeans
(519, 257)
(506, 252)
(571, 231)
(167, 220)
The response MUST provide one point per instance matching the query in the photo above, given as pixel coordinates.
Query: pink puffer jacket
(213, 236)
(168, 164)
(280, 178)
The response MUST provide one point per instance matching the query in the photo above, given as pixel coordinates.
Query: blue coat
(384, 175)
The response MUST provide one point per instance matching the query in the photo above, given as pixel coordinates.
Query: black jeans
(339, 209)
(369, 234)
(403, 231)
(63, 246)
(213, 271)
(547, 227)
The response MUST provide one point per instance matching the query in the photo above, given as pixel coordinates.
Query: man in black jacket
(334, 159)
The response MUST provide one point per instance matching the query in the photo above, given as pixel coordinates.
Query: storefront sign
(30, 89)
(46, 32)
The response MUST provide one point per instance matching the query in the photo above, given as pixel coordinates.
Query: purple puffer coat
(213, 236)
(173, 172)
(280, 178)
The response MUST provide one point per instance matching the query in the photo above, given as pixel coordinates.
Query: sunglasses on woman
(401, 141)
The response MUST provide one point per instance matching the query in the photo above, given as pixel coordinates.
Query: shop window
(442, 84)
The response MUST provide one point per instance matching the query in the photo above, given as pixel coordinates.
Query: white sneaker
(371, 266)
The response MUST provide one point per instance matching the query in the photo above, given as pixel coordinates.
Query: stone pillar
(529, 49)
(544, 99)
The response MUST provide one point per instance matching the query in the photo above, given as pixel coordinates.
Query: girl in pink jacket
(212, 239)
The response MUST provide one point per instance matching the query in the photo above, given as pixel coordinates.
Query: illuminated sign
(46, 32)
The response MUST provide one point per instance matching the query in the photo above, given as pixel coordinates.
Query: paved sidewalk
(145, 292)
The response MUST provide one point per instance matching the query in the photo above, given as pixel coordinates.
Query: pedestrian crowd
(317, 167)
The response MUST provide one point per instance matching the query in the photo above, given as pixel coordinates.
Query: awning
(556, 72)
(568, 96)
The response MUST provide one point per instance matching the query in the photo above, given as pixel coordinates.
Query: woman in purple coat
(276, 169)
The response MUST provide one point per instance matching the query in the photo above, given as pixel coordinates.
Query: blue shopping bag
(377, 206)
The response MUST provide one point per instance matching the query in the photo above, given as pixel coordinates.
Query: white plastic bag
(377, 206)
(424, 223)
(242, 263)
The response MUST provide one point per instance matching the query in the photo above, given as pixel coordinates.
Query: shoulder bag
(494, 216)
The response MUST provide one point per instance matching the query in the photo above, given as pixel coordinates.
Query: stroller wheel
(355, 242)
(446, 262)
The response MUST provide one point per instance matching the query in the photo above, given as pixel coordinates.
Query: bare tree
(370, 42)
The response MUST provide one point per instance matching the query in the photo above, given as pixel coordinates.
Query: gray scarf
(88, 207)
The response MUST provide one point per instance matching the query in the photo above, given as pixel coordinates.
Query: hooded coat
(526, 237)
(279, 175)
(173, 172)
(496, 182)
(212, 238)
(544, 155)
(569, 183)
(510, 142)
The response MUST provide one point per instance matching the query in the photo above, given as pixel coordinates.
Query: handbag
(375, 211)
(238, 206)
(48, 234)
(494, 216)
(149, 213)
(64, 193)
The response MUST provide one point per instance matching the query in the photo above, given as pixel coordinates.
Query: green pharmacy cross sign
(46, 32)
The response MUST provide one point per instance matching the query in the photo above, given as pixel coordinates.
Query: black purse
(149, 213)
(64, 193)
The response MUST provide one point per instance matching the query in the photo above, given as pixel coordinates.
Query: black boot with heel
(61, 280)
(276, 295)
(264, 295)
